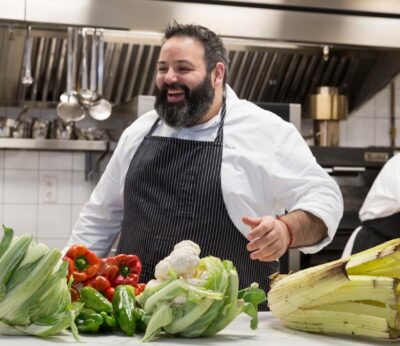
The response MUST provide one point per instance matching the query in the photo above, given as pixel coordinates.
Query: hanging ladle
(88, 96)
(102, 109)
(69, 108)
(74, 42)
(27, 78)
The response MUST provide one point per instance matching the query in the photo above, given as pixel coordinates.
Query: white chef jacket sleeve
(383, 199)
(300, 183)
(100, 219)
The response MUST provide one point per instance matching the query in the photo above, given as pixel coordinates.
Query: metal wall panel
(258, 23)
(387, 7)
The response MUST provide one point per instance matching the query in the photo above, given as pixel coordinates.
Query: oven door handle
(348, 169)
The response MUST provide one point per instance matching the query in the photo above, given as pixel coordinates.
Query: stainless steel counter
(270, 332)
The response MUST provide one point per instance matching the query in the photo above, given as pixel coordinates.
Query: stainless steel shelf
(52, 144)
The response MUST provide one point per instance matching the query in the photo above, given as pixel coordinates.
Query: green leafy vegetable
(11, 260)
(34, 294)
(6, 240)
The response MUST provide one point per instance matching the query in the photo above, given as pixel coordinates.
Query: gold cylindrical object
(327, 104)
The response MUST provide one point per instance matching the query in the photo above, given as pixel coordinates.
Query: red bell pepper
(109, 293)
(75, 295)
(83, 264)
(108, 269)
(129, 267)
(101, 284)
(139, 288)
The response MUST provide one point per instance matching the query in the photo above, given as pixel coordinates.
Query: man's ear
(218, 75)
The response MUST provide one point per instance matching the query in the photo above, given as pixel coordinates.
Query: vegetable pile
(34, 294)
(105, 274)
(100, 315)
(105, 289)
(194, 297)
(189, 296)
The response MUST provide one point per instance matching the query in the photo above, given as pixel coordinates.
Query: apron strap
(153, 127)
(220, 134)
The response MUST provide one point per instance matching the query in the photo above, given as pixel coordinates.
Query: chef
(207, 166)
(380, 212)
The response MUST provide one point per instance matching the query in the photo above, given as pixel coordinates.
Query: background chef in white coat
(380, 212)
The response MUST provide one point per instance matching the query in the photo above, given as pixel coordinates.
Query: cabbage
(34, 294)
(198, 305)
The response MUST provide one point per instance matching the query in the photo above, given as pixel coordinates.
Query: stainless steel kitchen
(135, 134)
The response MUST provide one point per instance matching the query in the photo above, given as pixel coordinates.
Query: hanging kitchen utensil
(69, 108)
(27, 78)
(22, 125)
(102, 110)
(74, 42)
(88, 96)
(93, 66)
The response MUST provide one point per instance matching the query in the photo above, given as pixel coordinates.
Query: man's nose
(171, 76)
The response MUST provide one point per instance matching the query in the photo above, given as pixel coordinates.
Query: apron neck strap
(220, 134)
(153, 127)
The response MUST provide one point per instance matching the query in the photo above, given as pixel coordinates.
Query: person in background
(207, 166)
(380, 212)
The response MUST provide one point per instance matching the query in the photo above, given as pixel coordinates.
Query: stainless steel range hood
(275, 47)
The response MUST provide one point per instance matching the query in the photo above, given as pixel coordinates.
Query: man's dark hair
(213, 47)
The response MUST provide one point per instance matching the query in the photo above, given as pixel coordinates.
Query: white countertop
(270, 332)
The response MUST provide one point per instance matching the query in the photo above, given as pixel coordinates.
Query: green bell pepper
(124, 307)
(95, 300)
(142, 320)
(88, 321)
(109, 322)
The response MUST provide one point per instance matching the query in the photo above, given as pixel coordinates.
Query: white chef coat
(383, 199)
(267, 168)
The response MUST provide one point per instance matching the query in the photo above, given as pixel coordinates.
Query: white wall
(23, 204)
(370, 124)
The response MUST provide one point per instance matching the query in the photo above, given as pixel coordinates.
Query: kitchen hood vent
(258, 71)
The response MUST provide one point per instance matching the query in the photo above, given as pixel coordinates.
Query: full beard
(191, 110)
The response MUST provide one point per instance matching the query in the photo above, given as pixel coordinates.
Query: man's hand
(269, 238)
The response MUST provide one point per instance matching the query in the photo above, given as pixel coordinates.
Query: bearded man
(209, 167)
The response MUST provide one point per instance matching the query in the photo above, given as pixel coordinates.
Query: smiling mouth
(174, 96)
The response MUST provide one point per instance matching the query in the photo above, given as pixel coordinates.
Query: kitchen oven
(354, 169)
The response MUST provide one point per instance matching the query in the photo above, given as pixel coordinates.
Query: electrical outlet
(49, 189)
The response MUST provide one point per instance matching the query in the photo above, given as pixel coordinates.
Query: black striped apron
(172, 193)
(377, 231)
